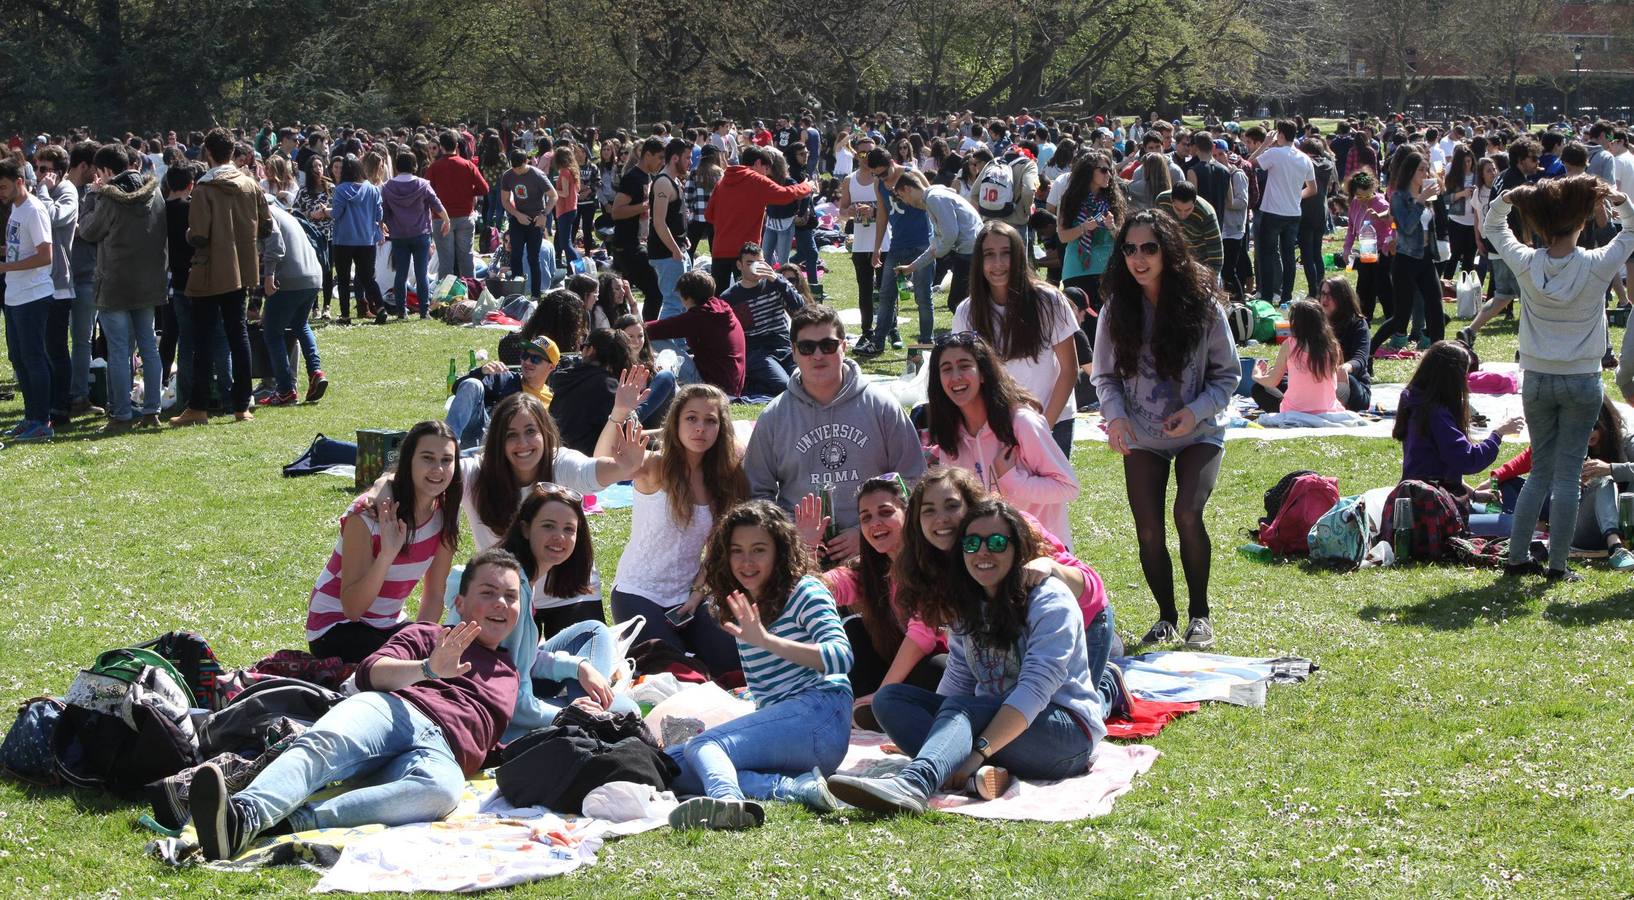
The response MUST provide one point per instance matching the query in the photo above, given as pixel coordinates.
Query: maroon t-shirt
(473, 709)
(714, 336)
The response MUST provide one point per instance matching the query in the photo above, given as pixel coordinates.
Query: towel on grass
(1186, 677)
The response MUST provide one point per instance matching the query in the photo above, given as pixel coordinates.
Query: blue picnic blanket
(1187, 677)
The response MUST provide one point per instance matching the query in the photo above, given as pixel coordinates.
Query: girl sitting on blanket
(550, 538)
(795, 656)
(1432, 423)
(1306, 377)
(887, 644)
(385, 549)
(694, 477)
(1017, 699)
(980, 419)
(929, 556)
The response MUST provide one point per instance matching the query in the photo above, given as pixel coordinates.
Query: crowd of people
(858, 564)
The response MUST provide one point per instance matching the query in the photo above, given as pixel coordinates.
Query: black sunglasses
(1145, 248)
(533, 359)
(829, 346)
(957, 339)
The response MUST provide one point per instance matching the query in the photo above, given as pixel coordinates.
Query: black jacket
(583, 400)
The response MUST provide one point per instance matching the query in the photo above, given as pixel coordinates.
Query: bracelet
(425, 671)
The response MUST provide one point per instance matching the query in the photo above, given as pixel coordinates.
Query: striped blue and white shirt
(809, 617)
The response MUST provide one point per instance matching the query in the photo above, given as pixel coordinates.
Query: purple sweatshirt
(1440, 452)
(410, 206)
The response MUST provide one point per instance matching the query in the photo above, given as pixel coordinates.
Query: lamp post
(1577, 65)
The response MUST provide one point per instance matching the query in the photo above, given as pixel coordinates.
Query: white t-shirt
(1287, 170)
(1624, 169)
(1039, 373)
(574, 471)
(28, 228)
(1058, 189)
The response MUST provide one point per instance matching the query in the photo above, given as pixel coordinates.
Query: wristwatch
(981, 747)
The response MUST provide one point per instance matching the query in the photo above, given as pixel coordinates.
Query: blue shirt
(810, 617)
(910, 227)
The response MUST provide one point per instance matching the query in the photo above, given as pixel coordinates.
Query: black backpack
(1279, 492)
(556, 766)
(126, 723)
(195, 662)
(245, 724)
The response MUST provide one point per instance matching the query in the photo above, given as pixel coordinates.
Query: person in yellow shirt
(480, 389)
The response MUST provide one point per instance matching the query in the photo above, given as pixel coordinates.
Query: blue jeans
(940, 732)
(755, 755)
(57, 351)
(805, 251)
(454, 248)
(285, 313)
(885, 306)
(1278, 240)
(25, 347)
(182, 305)
(669, 272)
(526, 241)
(566, 223)
(395, 760)
(82, 325)
(417, 248)
(1098, 637)
(1560, 415)
(775, 243)
(123, 328)
(468, 413)
(769, 361)
(493, 209)
(660, 390)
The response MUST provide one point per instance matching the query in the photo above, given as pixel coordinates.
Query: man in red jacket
(458, 184)
(737, 209)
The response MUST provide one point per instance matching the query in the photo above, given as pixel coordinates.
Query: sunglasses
(996, 543)
(957, 339)
(1145, 248)
(551, 489)
(829, 346)
(533, 359)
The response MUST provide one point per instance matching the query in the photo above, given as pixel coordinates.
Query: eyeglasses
(551, 489)
(829, 346)
(957, 339)
(996, 543)
(533, 359)
(1144, 248)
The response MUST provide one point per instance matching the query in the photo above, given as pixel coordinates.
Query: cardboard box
(376, 453)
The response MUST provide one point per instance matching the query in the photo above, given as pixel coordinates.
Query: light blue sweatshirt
(358, 211)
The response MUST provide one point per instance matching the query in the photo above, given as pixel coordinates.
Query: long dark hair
(1457, 169)
(560, 317)
(1083, 175)
(496, 485)
(1023, 333)
(351, 168)
(873, 603)
(609, 349)
(402, 481)
(317, 180)
(994, 622)
(572, 577)
(1404, 168)
(999, 393)
(1309, 328)
(1186, 301)
(1346, 307)
(721, 467)
(921, 570)
(1441, 380)
(793, 560)
(1609, 448)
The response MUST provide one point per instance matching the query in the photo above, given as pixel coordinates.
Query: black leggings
(552, 619)
(1413, 280)
(1146, 479)
(1462, 239)
(869, 668)
(703, 637)
(864, 264)
(353, 642)
(1373, 287)
(368, 287)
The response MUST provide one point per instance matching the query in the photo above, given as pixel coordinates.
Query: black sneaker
(1163, 632)
(1199, 634)
(865, 347)
(1566, 576)
(221, 832)
(717, 815)
(886, 796)
(1466, 336)
(1120, 704)
(1515, 570)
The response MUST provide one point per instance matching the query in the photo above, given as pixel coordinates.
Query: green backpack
(1265, 321)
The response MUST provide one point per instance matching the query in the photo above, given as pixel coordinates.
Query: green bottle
(828, 512)
(473, 361)
(453, 374)
(904, 292)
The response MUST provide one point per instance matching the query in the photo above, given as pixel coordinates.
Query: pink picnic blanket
(1091, 795)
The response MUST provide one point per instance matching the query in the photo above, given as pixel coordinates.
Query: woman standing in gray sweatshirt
(1165, 368)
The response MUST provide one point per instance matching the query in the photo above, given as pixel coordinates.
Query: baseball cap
(1221, 145)
(545, 347)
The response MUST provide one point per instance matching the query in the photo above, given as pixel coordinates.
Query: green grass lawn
(1464, 736)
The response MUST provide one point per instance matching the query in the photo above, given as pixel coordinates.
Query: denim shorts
(1503, 280)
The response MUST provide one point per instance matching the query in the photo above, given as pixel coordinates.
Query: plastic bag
(1469, 295)
(707, 702)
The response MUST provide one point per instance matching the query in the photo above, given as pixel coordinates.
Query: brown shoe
(245, 416)
(118, 426)
(191, 417)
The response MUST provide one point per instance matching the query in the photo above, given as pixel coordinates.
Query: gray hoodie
(1205, 387)
(82, 255)
(953, 222)
(799, 446)
(287, 254)
(62, 205)
(1562, 303)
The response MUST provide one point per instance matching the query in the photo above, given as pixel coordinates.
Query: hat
(1077, 297)
(545, 347)
(1100, 120)
(1221, 145)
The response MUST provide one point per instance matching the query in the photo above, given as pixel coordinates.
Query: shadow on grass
(1603, 609)
(1460, 609)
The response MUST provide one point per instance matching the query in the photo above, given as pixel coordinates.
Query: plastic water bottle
(1367, 243)
(1401, 518)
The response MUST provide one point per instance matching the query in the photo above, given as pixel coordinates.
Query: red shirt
(737, 208)
(762, 138)
(457, 182)
(714, 337)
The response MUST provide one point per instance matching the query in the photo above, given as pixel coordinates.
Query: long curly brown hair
(793, 560)
(1186, 302)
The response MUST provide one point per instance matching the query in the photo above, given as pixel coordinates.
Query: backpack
(1278, 491)
(1242, 323)
(1022, 170)
(996, 190)
(321, 455)
(1265, 321)
(1342, 535)
(125, 724)
(252, 721)
(26, 753)
(556, 766)
(195, 662)
(1437, 519)
(1308, 498)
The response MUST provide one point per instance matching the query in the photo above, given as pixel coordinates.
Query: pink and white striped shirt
(324, 610)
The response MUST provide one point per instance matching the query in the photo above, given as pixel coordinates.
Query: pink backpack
(1307, 500)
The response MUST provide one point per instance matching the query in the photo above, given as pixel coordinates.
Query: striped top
(324, 612)
(810, 618)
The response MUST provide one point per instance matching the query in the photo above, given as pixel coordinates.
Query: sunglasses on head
(828, 345)
(551, 489)
(1144, 248)
(996, 543)
(957, 339)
